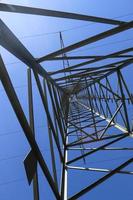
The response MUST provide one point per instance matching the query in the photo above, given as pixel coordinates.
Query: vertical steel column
(123, 100)
(63, 185)
(51, 141)
(31, 118)
(91, 107)
(64, 178)
(7, 84)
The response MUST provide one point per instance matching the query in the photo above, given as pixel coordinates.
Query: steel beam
(89, 40)
(7, 84)
(53, 13)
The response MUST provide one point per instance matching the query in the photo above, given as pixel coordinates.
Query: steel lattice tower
(89, 112)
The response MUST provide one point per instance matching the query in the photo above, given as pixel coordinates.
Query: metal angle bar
(10, 42)
(13, 45)
(107, 96)
(87, 108)
(123, 100)
(116, 125)
(85, 120)
(51, 142)
(87, 126)
(105, 87)
(77, 143)
(47, 112)
(70, 82)
(94, 60)
(92, 73)
(101, 180)
(96, 104)
(75, 135)
(63, 61)
(130, 61)
(125, 64)
(74, 116)
(91, 106)
(78, 135)
(80, 129)
(59, 108)
(115, 100)
(90, 69)
(124, 83)
(56, 113)
(109, 110)
(108, 149)
(7, 84)
(64, 108)
(93, 70)
(64, 178)
(93, 151)
(89, 40)
(84, 57)
(109, 89)
(71, 85)
(111, 120)
(31, 117)
(111, 72)
(83, 114)
(98, 170)
(64, 172)
(112, 64)
(54, 13)
(56, 127)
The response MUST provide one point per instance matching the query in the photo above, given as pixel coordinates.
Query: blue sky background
(40, 35)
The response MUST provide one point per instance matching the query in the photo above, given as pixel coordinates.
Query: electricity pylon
(89, 106)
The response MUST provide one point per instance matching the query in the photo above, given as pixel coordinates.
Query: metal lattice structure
(86, 104)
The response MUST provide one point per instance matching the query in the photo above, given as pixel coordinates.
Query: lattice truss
(91, 106)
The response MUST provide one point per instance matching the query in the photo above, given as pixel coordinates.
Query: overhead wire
(111, 43)
(66, 30)
(106, 44)
(18, 131)
(38, 35)
(70, 29)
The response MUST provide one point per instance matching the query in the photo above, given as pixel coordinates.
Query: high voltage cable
(128, 39)
(21, 155)
(70, 29)
(17, 180)
(102, 45)
(48, 149)
(18, 131)
(12, 181)
(18, 87)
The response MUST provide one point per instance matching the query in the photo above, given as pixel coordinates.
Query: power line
(20, 155)
(48, 149)
(111, 43)
(109, 160)
(12, 181)
(56, 32)
(18, 131)
(70, 29)
(16, 180)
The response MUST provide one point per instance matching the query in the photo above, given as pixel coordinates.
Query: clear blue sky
(38, 35)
